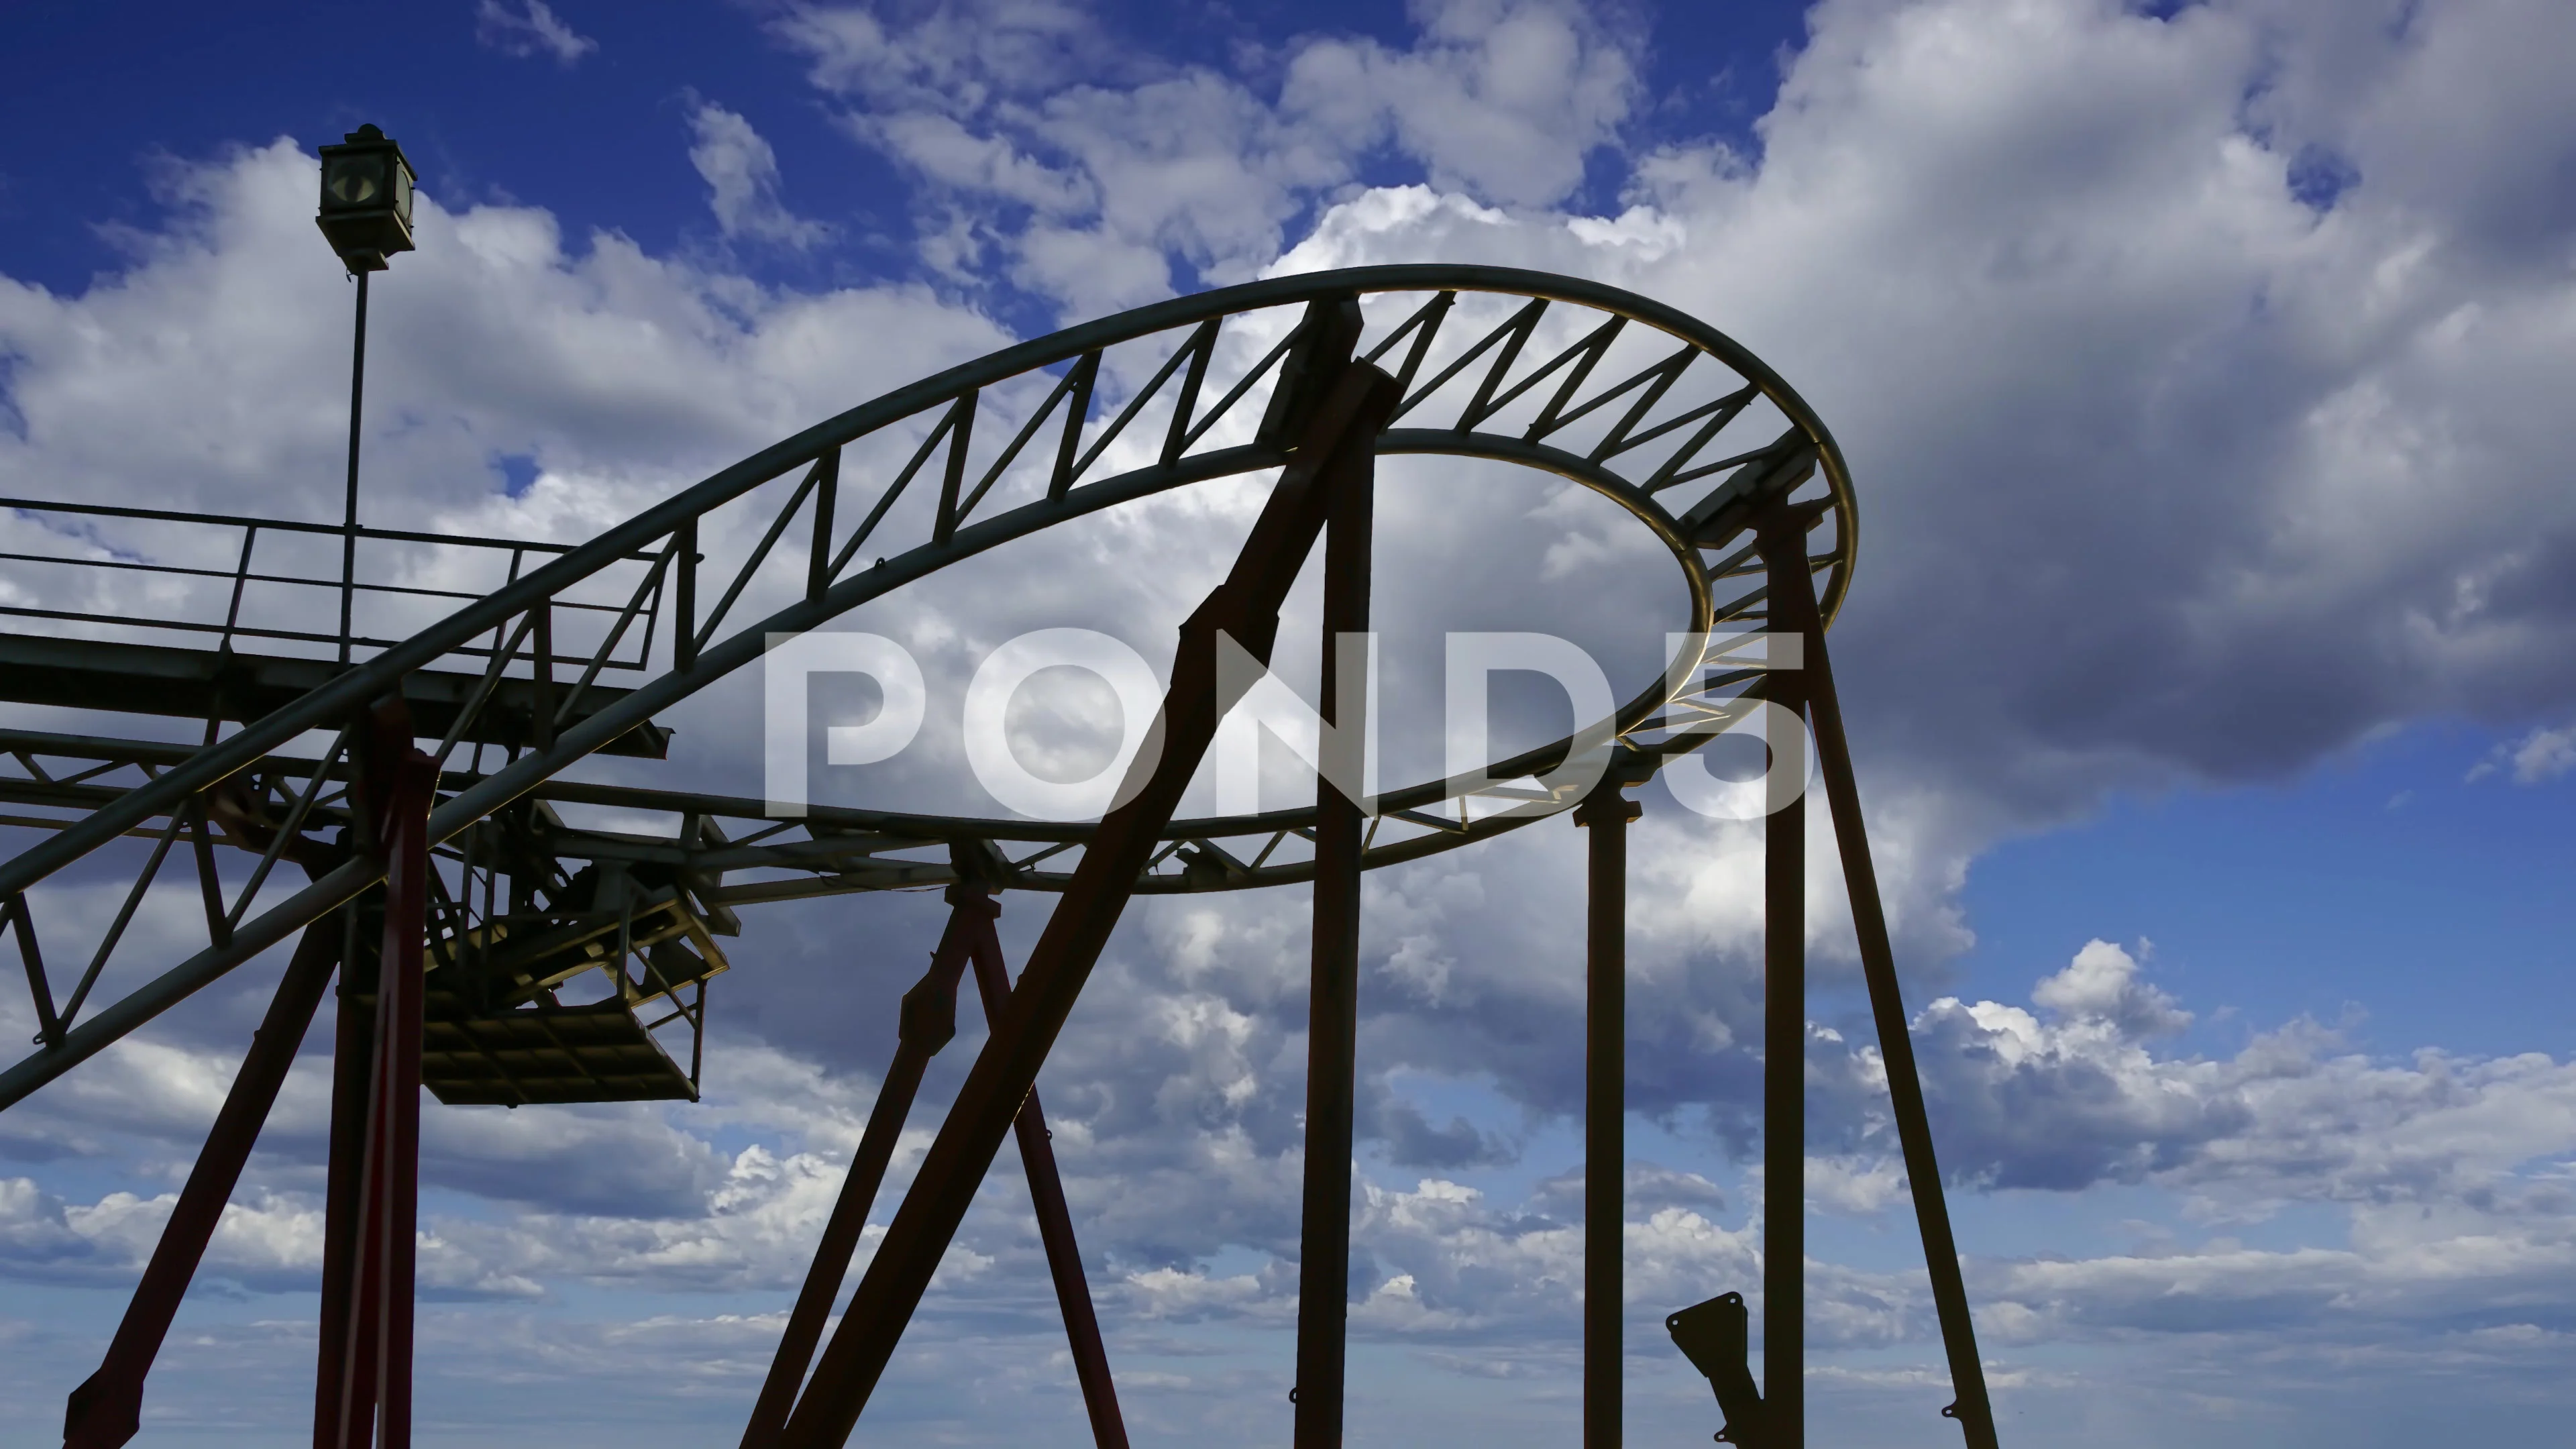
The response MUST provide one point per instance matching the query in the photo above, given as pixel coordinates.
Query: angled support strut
(106, 1410)
(927, 1022)
(1793, 603)
(1346, 418)
(1055, 1219)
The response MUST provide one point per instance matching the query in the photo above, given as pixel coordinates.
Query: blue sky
(2202, 369)
(2380, 886)
(593, 140)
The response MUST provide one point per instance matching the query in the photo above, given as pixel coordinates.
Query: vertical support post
(1793, 603)
(357, 1398)
(1784, 1023)
(349, 518)
(49, 1026)
(541, 679)
(1606, 813)
(210, 886)
(827, 490)
(927, 1022)
(402, 986)
(106, 1410)
(698, 1036)
(1245, 606)
(353, 1056)
(684, 637)
(1055, 1220)
(375, 1368)
(241, 580)
(1332, 1024)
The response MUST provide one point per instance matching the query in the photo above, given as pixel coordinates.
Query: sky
(2201, 369)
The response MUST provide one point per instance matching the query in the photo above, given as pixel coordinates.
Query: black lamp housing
(366, 200)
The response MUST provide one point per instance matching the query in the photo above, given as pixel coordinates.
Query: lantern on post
(366, 216)
(366, 200)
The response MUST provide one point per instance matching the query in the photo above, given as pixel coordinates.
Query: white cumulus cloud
(531, 29)
(741, 172)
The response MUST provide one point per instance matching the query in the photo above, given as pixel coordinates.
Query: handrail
(229, 520)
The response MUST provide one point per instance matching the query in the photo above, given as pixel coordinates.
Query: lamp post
(362, 1391)
(366, 216)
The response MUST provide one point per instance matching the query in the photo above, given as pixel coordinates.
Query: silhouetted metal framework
(461, 910)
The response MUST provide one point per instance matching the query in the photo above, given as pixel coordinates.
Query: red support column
(375, 1335)
(1055, 1220)
(353, 1057)
(106, 1410)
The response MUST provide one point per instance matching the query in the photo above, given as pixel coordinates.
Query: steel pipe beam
(1784, 1031)
(349, 525)
(1606, 813)
(1333, 978)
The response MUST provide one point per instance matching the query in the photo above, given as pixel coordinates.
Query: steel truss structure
(459, 907)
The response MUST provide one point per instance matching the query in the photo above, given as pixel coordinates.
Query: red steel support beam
(1606, 813)
(375, 1336)
(928, 1021)
(1793, 605)
(353, 1058)
(1246, 606)
(1332, 1026)
(106, 1410)
(1784, 1028)
(1055, 1221)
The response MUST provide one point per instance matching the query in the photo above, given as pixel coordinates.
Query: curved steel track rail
(1666, 417)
